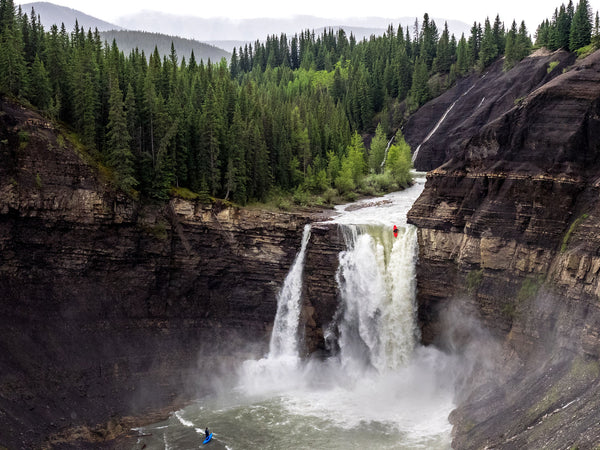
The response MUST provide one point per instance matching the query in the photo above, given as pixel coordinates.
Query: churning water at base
(380, 390)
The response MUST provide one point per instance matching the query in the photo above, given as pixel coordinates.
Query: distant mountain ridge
(126, 40)
(224, 29)
(51, 14)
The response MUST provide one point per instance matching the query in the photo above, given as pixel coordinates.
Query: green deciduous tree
(398, 162)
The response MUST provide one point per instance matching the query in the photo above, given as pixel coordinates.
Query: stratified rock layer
(109, 307)
(509, 235)
(442, 127)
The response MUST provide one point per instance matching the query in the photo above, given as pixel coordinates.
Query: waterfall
(284, 338)
(387, 149)
(379, 388)
(376, 279)
(432, 132)
(437, 125)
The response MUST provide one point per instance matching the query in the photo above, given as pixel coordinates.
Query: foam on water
(380, 390)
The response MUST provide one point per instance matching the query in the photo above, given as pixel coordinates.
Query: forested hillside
(129, 40)
(286, 115)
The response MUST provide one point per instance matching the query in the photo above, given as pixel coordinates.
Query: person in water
(206, 432)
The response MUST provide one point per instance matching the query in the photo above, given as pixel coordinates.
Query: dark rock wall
(509, 236)
(478, 100)
(108, 307)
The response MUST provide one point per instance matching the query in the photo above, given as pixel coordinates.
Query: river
(381, 390)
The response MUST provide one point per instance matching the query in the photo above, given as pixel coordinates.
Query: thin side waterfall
(432, 132)
(437, 125)
(284, 338)
(376, 279)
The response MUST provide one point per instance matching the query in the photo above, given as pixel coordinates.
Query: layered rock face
(509, 266)
(109, 307)
(441, 128)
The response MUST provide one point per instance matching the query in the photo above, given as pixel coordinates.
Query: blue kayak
(208, 438)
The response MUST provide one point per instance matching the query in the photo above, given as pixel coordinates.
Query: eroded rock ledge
(509, 236)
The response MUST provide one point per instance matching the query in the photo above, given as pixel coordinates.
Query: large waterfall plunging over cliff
(376, 279)
(377, 389)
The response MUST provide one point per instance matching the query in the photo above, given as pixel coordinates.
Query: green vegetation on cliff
(284, 116)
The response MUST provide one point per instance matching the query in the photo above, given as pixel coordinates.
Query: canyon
(112, 308)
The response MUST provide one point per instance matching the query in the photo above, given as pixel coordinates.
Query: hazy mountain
(220, 29)
(51, 14)
(128, 40)
(228, 45)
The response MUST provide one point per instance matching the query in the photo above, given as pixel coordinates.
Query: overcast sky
(532, 11)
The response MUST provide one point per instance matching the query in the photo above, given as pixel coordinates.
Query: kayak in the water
(208, 438)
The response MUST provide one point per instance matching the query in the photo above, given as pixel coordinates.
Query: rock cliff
(110, 307)
(442, 126)
(509, 257)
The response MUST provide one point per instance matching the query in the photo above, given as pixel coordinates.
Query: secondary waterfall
(378, 389)
(284, 338)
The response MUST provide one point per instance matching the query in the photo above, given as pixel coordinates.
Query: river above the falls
(380, 389)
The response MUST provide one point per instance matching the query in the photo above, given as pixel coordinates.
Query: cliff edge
(509, 264)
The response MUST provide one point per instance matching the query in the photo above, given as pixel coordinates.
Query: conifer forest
(288, 114)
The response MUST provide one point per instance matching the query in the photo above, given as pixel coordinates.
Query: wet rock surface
(509, 237)
(476, 101)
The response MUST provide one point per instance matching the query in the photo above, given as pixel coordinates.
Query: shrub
(474, 279)
(552, 66)
(570, 231)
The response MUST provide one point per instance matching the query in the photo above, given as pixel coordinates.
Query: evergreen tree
(211, 124)
(13, 71)
(428, 41)
(562, 31)
(523, 42)
(84, 85)
(542, 35)
(489, 50)
(474, 43)
(581, 26)
(377, 151)
(596, 32)
(511, 54)
(119, 155)
(443, 59)
(462, 57)
(40, 91)
(499, 35)
(419, 91)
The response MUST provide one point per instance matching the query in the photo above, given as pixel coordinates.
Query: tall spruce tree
(119, 156)
(489, 50)
(40, 91)
(581, 27)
